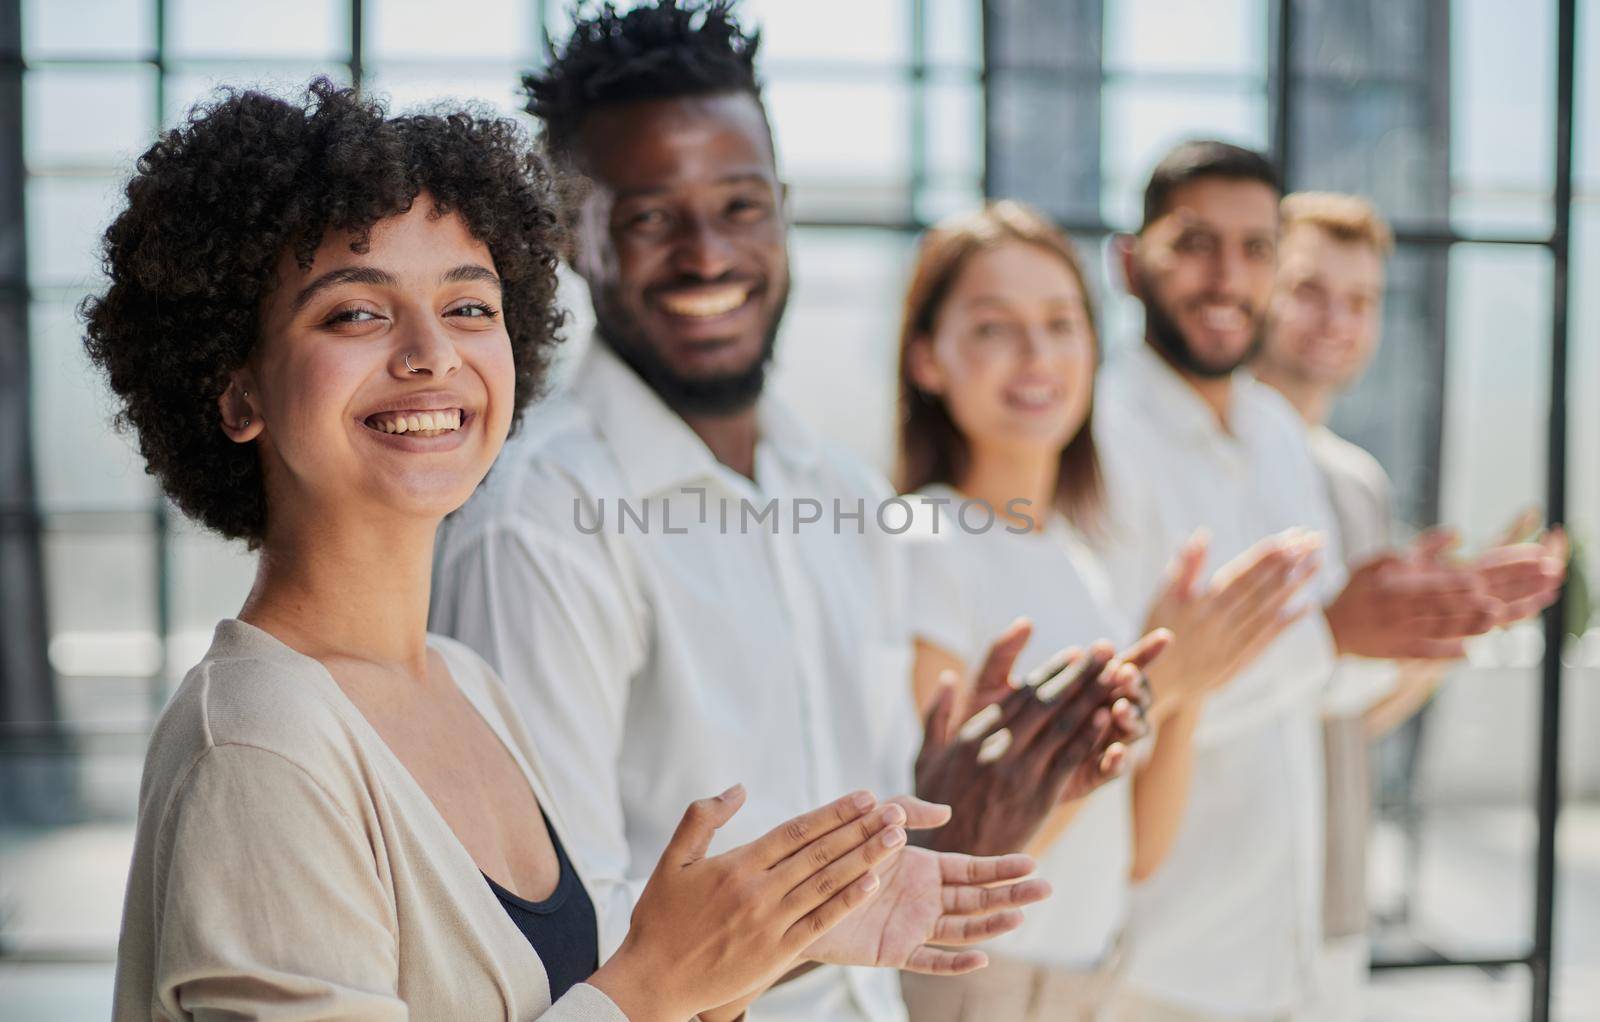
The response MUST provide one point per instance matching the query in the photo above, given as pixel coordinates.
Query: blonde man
(1323, 329)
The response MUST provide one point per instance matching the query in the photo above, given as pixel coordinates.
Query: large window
(888, 114)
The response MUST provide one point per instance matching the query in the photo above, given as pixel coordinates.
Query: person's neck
(1312, 401)
(347, 585)
(998, 475)
(731, 437)
(1215, 391)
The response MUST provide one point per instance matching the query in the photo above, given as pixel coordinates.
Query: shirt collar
(1170, 396)
(655, 449)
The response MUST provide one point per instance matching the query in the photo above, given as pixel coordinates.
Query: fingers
(993, 682)
(921, 815)
(958, 868)
(958, 931)
(1063, 713)
(1052, 667)
(934, 961)
(1183, 574)
(1435, 544)
(787, 838)
(700, 821)
(1143, 652)
(977, 900)
(842, 870)
(1431, 649)
(1520, 527)
(831, 913)
(834, 845)
(936, 726)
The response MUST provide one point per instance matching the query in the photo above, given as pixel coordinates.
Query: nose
(702, 251)
(425, 349)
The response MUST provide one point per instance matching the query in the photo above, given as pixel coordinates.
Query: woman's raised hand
(708, 931)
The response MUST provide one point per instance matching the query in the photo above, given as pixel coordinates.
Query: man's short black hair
(1202, 158)
(667, 49)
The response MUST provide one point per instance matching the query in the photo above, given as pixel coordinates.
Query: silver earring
(245, 424)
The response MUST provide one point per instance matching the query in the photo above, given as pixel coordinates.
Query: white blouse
(967, 583)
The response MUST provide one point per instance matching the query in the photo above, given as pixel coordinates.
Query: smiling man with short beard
(1229, 927)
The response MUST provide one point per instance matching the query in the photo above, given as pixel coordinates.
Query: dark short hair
(668, 49)
(1202, 158)
(215, 204)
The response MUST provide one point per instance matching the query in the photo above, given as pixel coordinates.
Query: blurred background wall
(888, 114)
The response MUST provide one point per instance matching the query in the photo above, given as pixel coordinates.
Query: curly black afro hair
(217, 201)
(662, 50)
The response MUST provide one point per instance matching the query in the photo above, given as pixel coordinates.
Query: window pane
(284, 28)
(81, 28)
(1224, 37)
(497, 86)
(99, 118)
(1496, 385)
(211, 577)
(79, 460)
(66, 218)
(836, 358)
(491, 30)
(954, 32)
(955, 130)
(101, 590)
(877, 33)
(1502, 114)
(190, 85)
(1141, 121)
(845, 147)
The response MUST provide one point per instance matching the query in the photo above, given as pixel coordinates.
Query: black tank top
(561, 928)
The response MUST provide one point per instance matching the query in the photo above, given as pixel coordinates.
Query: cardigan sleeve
(268, 901)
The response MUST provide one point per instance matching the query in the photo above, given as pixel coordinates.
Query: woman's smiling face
(384, 379)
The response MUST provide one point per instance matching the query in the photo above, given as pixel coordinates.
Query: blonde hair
(1349, 218)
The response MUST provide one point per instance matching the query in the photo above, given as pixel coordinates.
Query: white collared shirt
(1230, 924)
(668, 646)
(970, 578)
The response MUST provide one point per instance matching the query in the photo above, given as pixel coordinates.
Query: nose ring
(409, 367)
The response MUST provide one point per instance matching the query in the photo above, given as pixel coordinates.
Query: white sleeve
(554, 615)
(940, 588)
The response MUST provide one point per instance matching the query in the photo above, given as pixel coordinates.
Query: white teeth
(442, 421)
(704, 304)
(1034, 396)
(1222, 317)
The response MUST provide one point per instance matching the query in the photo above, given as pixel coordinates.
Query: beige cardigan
(287, 866)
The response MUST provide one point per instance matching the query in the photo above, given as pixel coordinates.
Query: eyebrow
(466, 273)
(739, 178)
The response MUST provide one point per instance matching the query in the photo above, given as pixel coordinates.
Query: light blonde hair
(1343, 217)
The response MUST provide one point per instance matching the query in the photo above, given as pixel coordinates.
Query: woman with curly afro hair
(322, 323)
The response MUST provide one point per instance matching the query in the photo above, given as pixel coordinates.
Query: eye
(1258, 248)
(747, 209)
(992, 330)
(1194, 242)
(348, 316)
(646, 220)
(473, 310)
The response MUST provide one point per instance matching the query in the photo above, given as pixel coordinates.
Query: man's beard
(722, 394)
(1167, 337)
